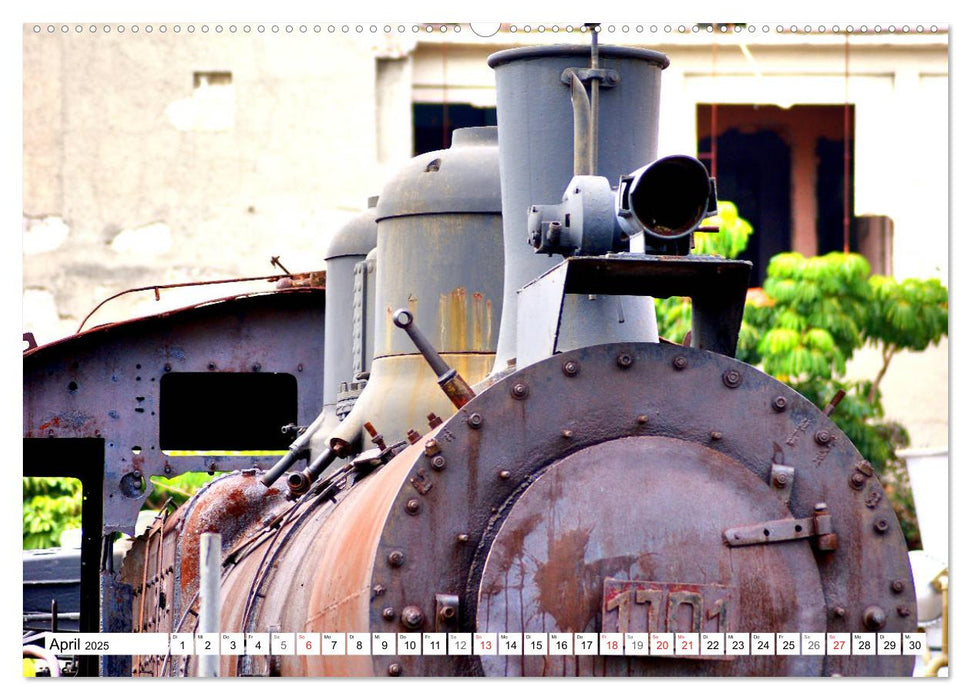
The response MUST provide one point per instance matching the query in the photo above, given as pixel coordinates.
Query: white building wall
(133, 175)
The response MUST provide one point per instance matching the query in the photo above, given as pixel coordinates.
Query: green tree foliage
(51, 506)
(804, 326)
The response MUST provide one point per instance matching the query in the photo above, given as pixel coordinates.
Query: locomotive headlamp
(667, 199)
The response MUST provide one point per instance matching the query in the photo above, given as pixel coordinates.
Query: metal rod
(582, 157)
(846, 145)
(451, 382)
(300, 483)
(210, 567)
(178, 285)
(276, 471)
(594, 99)
(404, 320)
(298, 448)
(713, 127)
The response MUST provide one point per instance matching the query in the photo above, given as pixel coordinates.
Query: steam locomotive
(476, 427)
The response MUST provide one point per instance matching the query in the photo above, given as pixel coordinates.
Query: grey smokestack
(536, 163)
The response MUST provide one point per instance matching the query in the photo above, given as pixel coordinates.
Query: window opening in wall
(784, 170)
(211, 79)
(434, 123)
(226, 412)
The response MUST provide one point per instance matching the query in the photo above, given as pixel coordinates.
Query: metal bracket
(769, 531)
(781, 479)
(819, 526)
(608, 77)
(717, 288)
(446, 611)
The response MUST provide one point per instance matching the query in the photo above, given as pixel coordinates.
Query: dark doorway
(82, 459)
(829, 196)
(754, 172)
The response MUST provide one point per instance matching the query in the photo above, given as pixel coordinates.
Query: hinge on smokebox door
(819, 527)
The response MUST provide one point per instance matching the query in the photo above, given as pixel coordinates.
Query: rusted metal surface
(402, 391)
(656, 517)
(593, 499)
(646, 428)
(105, 383)
(235, 506)
(440, 247)
(162, 566)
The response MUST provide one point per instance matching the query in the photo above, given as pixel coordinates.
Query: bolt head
(520, 391)
(839, 611)
(447, 612)
(438, 462)
(571, 368)
(903, 611)
(475, 421)
(732, 378)
(779, 404)
(413, 506)
(642, 419)
(504, 474)
(874, 618)
(624, 360)
(463, 538)
(396, 558)
(412, 617)
(388, 614)
(881, 525)
(378, 590)
(567, 434)
(898, 586)
(680, 362)
(394, 669)
(823, 437)
(857, 480)
(780, 480)
(715, 435)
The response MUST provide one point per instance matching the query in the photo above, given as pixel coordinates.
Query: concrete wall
(141, 167)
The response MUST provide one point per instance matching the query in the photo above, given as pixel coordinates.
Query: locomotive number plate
(658, 606)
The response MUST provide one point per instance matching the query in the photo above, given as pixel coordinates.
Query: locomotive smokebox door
(626, 536)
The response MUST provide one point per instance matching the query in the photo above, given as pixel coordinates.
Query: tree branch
(888, 352)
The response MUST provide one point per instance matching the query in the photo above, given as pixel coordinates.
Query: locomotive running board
(716, 286)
